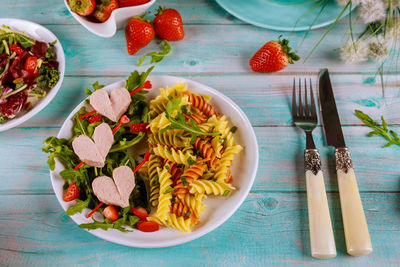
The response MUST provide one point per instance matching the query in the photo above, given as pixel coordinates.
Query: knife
(358, 241)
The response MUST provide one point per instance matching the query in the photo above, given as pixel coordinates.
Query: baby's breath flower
(372, 11)
(378, 49)
(353, 52)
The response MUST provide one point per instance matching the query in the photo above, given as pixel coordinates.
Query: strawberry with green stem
(138, 34)
(273, 56)
(168, 24)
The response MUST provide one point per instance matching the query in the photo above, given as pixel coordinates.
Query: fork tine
(313, 109)
(306, 108)
(300, 104)
(294, 108)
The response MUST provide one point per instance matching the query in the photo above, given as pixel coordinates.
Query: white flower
(393, 32)
(378, 49)
(353, 52)
(372, 10)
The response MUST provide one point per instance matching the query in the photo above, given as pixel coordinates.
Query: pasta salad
(191, 153)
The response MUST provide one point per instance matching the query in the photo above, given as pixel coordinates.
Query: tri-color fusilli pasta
(188, 162)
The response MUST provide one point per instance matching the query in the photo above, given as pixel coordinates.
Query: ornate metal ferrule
(312, 161)
(343, 159)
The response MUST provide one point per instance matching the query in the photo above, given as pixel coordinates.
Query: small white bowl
(218, 209)
(39, 33)
(118, 19)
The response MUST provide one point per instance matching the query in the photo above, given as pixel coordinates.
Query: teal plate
(285, 15)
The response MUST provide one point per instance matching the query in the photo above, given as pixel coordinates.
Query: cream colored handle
(321, 234)
(358, 241)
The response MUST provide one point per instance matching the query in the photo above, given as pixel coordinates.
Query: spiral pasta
(207, 152)
(190, 159)
(189, 175)
(199, 118)
(159, 123)
(179, 223)
(172, 154)
(154, 163)
(175, 138)
(210, 187)
(200, 103)
(194, 202)
(158, 104)
(165, 195)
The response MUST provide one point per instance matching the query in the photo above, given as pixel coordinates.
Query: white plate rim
(53, 91)
(198, 233)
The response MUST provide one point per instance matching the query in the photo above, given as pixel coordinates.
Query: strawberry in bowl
(106, 16)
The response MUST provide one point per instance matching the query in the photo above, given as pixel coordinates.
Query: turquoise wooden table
(271, 227)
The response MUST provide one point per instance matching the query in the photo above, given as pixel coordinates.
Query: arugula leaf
(96, 86)
(390, 135)
(179, 122)
(136, 80)
(127, 144)
(101, 225)
(80, 205)
(157, 56)
(59, 148)
(133, 220)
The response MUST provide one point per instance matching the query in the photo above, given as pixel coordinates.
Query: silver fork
(321, 234)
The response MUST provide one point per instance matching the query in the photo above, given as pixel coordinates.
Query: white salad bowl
(118, 19)
(218, 209)
(39, 33)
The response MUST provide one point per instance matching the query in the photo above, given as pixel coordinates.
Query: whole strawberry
(138, 34)
(273, 56)
(168, 24)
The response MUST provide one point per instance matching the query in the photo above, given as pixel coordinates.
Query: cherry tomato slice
(72, 193)
(31, 64)
(148, 226)
(111, 213)
(17, 49)
(95, 118)
(140, 212)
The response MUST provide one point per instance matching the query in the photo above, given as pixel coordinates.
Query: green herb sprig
(179, 121)
(157, 56)
(382, 130)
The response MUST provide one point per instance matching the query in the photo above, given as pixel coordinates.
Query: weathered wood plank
(265, 99)
(270, 229)
(55, 12)
(280, 167)
(206, 49)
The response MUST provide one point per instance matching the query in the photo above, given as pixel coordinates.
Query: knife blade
(358, 241)
(330, 116)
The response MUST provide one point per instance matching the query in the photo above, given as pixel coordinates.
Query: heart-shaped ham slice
(112, 106)
(94, 152)
(115, 192)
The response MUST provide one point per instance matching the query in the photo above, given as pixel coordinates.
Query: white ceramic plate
(39, 33)
(218, 209)
(118, 19)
